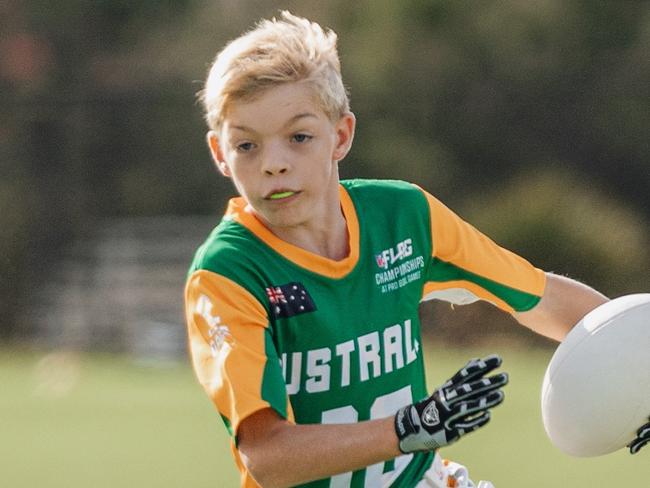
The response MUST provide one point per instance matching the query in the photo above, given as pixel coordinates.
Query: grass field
(104, 421)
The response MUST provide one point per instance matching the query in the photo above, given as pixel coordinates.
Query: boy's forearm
(564, 304)
(292, 454)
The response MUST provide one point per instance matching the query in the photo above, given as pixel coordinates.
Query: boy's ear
(217, 155)
(344, 135)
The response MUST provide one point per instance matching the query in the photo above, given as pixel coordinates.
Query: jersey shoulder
(390, 197)
(234, 252)
(375, 187)
(221, 245)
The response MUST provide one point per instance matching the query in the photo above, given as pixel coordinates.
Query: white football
(596, 390)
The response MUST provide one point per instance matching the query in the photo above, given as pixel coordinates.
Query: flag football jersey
(319, 341)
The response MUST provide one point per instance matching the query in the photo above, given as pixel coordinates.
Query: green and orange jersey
(274, 326)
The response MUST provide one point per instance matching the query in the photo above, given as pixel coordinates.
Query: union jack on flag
(288, 300)
(275, 295)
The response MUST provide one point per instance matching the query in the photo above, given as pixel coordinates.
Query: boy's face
(282, 152)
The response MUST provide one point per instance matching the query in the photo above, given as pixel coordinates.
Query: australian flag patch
(288, 300)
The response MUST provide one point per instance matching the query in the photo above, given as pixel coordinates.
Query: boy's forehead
(277, 106)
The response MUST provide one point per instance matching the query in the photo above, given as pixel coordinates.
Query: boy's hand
(459, 406)
(642, 438)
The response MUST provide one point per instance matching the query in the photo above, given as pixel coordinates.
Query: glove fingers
(636, 445)
(475, 389)
(644, 430)
(464, 410)
(472, 424)
(643, 438)
(475, 368)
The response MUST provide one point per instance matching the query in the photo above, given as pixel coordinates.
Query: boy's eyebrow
(292, 120)
(297, 117)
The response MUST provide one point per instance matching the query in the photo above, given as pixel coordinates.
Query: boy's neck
(327, 239)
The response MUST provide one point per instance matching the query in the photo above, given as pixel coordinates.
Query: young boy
(302, 305)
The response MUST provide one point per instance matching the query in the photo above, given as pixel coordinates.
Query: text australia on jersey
(368, 356)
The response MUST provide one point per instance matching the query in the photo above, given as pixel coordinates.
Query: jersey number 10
(383, 406)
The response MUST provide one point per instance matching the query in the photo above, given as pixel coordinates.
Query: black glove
(642, 438)
(458, 407)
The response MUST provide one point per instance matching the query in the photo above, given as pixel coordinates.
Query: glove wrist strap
(405, 426)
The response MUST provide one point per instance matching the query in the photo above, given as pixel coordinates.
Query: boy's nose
(275, 169)
(274, 163)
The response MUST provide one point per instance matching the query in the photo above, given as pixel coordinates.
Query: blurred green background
(530, 119)
(71, 420)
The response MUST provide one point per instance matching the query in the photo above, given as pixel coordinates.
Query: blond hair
(291, 49)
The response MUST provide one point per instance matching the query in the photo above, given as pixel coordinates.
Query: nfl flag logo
(288, 300)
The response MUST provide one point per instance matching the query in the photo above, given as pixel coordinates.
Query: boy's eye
(301, 138)
(244, 146)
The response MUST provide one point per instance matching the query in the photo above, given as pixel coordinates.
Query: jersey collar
(240, 212)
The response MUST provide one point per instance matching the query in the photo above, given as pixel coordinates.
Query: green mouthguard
(284, 194)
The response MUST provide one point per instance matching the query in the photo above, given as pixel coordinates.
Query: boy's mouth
(280, 195)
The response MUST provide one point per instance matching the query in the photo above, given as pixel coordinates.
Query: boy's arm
(279, 453)
(564, 303)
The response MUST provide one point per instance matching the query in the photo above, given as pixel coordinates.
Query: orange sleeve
(467, 263)
(231, 349)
